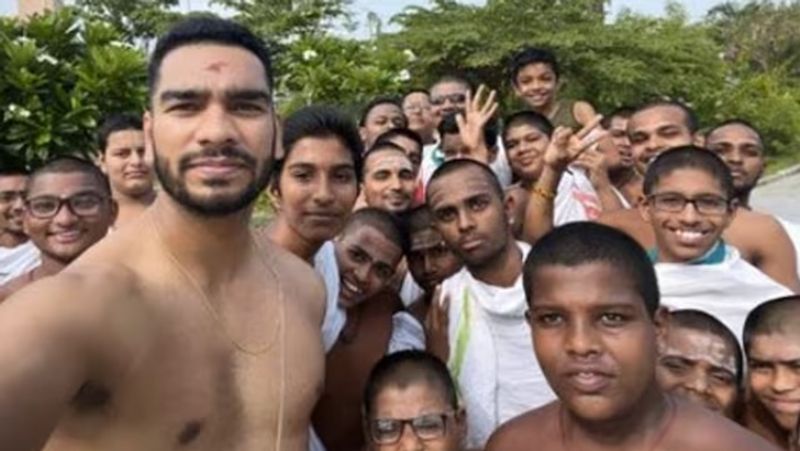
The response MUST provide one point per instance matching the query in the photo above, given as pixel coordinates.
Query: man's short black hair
(389, 225)
(740, 122)
(624, 112)
(317, 121)
(68, 164)
(416, 91)
(13, 170)
(462, 164)
(689, 157)
(406, 368)
(777, 316)
(701, 321)
(689, 115)
(116, 123)
(525, 117)
(208, 30)
(532, 55)
(453, 78)
(405, 132)
(449, 126)
(582, 243)
(377, 101)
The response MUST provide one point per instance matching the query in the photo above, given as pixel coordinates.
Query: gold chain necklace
(280, 330)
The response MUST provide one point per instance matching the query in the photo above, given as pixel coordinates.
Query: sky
(386, 8)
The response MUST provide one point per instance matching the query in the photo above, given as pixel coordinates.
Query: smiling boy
(689, 203)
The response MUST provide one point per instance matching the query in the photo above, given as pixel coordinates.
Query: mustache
(230, 152)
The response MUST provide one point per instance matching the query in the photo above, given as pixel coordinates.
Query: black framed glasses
(707, 204)
(80, 204)
(457, 98)
(387, 431)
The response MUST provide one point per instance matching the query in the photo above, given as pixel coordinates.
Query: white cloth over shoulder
(335, 316)
(728, 290)
(410, 291)
(793, 230)
(407, 334)
(18, 260)
(491, 356)
(576, 199)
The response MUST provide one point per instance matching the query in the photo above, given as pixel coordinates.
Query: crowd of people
(438, 275)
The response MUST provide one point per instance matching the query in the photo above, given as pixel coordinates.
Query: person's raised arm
(471, 124)
(52, 340)
(564, 148)
(596, 166)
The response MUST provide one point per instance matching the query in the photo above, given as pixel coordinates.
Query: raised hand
(436, 326)
(566, 146)
(477, 114)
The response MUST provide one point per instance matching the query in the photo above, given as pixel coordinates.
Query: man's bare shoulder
(699, 429)
(538, 426)
(747, 221)
(297, 276)
(622, 218)
(13, 285)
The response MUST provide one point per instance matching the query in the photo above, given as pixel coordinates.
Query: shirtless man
(700, 359)
(181, 330)
(595, 317)
(772, 346)
(68, 208)
(740, 146)
(389, 178)
(129, 169)
(316, 183)
(659, 126)
(367, 253)
(17, 253)
(411, 403)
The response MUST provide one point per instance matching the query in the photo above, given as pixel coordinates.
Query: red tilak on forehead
(216, 67)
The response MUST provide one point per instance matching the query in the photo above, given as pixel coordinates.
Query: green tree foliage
(60, 76)
(137, 20)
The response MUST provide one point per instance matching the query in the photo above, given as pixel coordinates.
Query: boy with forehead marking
(595, 317)
(740, 146)
(127, 165)
(658, 126)
(370, 323)
(488, 348)
(700, 360)
(181, 330)
(389, 178)
(772, 346)
(689, 203)
(17, 253)
(68, 209)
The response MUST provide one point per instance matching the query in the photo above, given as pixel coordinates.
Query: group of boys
(429, 280)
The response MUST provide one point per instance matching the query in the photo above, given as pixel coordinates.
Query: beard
(216, 204)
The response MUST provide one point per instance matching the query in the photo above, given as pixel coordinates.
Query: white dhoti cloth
(18, 260)
(728, 290)
(576, 199)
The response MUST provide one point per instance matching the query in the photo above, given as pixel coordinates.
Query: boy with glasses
(411, 403)
(689, 202)
(68, 208)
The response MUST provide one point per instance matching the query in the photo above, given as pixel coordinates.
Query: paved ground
(781, 198)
